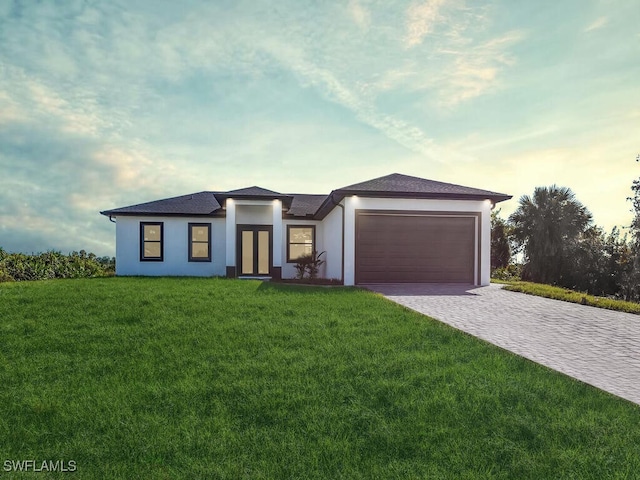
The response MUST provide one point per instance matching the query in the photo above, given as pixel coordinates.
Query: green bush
(51, 264)
(511, 272)
(309, 264)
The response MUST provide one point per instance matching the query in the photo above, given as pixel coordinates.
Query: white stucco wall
(279, 233)
(328, 236)
(176, 247)
(332, 243)
(254, 214)
(362, 203)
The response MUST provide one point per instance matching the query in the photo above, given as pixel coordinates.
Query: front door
(254, 249)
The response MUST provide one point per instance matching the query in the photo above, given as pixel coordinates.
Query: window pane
(296, 251)
(152, 232)
(263, 253)
(301, 235)
(151, 249)
(199, 250)
(247, 253)
(200, 234)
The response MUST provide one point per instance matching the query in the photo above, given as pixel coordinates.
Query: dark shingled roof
(405, 184)
(202, 203)
(305, 205)
(251, 192)
(316, 206)
(397, 185)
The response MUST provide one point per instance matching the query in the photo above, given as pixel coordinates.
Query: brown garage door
(393, 248)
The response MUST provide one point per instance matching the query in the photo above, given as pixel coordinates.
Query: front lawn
(215, 378)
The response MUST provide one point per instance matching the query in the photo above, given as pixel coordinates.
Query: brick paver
(597, 346)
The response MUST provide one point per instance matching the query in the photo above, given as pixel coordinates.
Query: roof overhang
(338, 195)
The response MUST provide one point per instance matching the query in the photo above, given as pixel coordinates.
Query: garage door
(409, 248)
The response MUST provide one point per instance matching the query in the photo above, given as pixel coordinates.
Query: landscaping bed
(568, 295)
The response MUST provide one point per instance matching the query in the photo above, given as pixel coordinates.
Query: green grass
(568, 295)
(213, 378)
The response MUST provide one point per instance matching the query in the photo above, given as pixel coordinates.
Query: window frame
(313, 240)
(191, 241)
(143, 241)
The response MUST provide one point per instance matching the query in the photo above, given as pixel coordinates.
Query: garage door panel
(402, 248)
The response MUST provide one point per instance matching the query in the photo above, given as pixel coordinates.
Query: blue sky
(111, 103)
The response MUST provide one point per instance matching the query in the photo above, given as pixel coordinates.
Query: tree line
(556, 242)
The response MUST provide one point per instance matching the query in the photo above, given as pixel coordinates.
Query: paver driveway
(597, 346)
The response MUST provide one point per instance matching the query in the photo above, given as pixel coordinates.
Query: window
(199, 242)
(301, 240)
(151, 241)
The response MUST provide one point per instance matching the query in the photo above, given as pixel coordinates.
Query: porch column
(230, 224)
(277, 240)
(484, 262)
(351, 203)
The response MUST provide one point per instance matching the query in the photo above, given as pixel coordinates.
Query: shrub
(309, 264)
(52, 264)
(511, 272)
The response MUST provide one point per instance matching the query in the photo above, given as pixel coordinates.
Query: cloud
(360, 15)
(475, 71)
(597, 24)
(421, 19)
(463, 59)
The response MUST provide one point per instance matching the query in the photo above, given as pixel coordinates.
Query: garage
(416, 247)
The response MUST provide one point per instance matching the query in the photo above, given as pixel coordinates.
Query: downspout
(111, 219)
(341, 256)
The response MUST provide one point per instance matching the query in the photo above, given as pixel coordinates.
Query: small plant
(309, 264)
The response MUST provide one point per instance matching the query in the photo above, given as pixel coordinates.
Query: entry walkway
(599, 347)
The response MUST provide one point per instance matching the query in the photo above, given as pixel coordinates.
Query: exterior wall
(332, 243)
(485, 273)
(328, 237)
(176, 247)
(253, 214)
(279, 237)
(354, 203)
(288, 269)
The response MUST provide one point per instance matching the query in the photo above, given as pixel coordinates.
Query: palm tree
(547, 227)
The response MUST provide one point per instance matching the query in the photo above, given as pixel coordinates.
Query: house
(395, 228)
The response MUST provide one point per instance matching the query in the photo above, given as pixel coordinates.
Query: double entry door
(254, 247)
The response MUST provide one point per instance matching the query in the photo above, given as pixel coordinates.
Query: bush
(511, 272)
(51, 264)
(309, 264)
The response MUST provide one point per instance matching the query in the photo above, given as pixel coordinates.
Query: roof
(202, 203)
(395, 185)
(305, 205)
(398, 183)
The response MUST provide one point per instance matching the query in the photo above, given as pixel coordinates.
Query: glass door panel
(263, 252)
(247, 252)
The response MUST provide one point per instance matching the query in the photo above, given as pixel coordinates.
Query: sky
(111, 103)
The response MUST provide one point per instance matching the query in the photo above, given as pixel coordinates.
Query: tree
(618, 278)
(547, 227)
(634, 276)
(635, 201)
(500, 249)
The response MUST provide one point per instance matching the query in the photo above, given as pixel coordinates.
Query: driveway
(599, 347)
